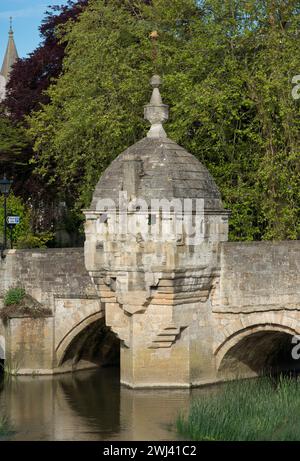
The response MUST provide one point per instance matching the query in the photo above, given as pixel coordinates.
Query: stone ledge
(156, 385)
(250, 309)
(72, 296)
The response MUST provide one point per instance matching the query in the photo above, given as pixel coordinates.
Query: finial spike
(154, 38)
(10, 25)
(156, 112)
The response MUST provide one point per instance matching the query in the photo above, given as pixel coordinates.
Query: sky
(27, 16)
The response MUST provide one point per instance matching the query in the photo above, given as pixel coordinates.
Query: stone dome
(157, 168)
(164, 170)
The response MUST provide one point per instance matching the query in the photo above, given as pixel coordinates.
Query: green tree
(23, 236)
(16, 207)
(96, 105)
(13, 142)
(227, 68)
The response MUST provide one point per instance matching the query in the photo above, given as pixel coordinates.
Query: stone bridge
(243, 327)
(176, 308)
(255, 306)
(58, 280)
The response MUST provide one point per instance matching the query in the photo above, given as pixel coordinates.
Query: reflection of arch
(94, 396)
(256, 350)
(68, 338)
(2, 348)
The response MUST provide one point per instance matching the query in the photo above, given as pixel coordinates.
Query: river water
(90, 405)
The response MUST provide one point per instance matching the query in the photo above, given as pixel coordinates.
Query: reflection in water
(95, 396)
(89, 405)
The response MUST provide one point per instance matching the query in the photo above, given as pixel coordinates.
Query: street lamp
(5, 185)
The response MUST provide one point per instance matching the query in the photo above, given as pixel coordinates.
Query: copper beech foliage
(32, 75)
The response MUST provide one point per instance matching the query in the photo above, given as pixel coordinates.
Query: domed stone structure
(162, 170)
(152, 249)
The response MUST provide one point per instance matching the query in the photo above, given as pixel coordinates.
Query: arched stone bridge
(59, 281)
(256, 307)
(243, 324)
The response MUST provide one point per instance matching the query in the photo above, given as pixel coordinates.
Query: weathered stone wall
(57, 278)
(256, 298)
(188, 337)
(29, 345)
(259, 276)
(46, 274)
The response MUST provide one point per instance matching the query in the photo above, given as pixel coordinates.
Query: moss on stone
(14, 296)
(26, 306)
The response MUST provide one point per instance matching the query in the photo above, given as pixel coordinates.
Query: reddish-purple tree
(29, 79)
(26, 89)
(31, 76)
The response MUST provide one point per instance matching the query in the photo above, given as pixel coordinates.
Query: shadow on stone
(265, 352)
(95, 345)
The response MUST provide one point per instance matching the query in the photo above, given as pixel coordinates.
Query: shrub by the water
(246, 410)
(14, 296)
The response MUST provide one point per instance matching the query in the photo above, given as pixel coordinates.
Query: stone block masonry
(182, 314)
(57, 279)
(186, 333)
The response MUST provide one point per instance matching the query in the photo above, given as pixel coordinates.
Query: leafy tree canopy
(31, 76)
(227, 67)
(23, 236)
(29, 79)
(13, 142)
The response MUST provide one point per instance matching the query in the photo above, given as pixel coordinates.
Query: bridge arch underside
(257, 351)
(94, 345)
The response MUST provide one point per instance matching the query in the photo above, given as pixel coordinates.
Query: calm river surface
(90, 405)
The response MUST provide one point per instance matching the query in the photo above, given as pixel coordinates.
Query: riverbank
(253, 410)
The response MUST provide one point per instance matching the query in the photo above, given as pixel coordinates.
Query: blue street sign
(13, 220)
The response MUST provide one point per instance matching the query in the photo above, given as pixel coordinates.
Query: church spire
(11, 54)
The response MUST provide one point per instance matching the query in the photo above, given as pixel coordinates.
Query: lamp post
(5, 185)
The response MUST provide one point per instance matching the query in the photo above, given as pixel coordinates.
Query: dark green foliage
(227, 69)
(34, 241)
(13, 141)
(23, 236)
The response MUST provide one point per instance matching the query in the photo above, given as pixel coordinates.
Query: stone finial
(10, 26)
(156, 112)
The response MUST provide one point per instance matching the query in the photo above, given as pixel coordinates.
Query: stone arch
(237, 324)
(68, 338)
(238, 336)
(255, 350)
(88, 344)
(2, 348)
